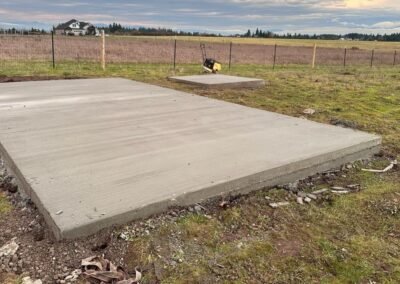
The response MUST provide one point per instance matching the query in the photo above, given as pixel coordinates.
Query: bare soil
(11, 79)
(40, 256)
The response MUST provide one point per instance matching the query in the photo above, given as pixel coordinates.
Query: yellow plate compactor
(209, 65)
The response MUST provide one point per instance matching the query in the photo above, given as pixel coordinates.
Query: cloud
(387, 25)
(226, 16)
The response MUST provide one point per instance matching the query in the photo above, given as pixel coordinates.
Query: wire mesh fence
(18, 50)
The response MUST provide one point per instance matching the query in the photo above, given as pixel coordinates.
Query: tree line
(118, 29)
(32, 31)
(258, 33)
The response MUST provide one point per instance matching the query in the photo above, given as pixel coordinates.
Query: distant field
(128, 49)
(289, 42)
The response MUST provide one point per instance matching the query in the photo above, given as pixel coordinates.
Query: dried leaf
(99, 270)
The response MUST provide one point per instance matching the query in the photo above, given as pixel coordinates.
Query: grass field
(289, 42)
(161, 50)
(347, 239)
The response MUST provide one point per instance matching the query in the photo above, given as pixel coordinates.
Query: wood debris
(278, 204)
(388, 168)
(320, 191)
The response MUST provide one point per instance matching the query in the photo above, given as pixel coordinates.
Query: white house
(76, 28)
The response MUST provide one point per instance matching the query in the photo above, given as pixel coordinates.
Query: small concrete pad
(219, 81)
(93, 153)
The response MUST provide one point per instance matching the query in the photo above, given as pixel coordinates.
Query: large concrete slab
(106, 151)
(219, 81)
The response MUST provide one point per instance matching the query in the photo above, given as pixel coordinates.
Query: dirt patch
(11, 79)
(291, 247)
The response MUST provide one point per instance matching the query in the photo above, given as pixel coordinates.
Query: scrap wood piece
(388, 168)
(278, 204)
(320, 191)
(99, 270)
(340, 191)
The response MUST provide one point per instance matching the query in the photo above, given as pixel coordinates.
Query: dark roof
(65, 25)
(83, 24)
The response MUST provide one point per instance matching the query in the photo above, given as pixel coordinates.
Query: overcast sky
(221, 16)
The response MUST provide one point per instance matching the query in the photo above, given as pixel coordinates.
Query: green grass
(349, 239)
(5, 206)
(369, 97)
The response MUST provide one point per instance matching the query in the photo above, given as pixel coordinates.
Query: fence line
(59, 49)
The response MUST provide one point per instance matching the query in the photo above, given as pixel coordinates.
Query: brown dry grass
(161, 50)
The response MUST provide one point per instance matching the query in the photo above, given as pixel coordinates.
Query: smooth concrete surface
(98, 152)
(219, 81)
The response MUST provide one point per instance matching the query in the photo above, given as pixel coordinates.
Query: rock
(309, 111)
(124, 236)
(102, 243)
(197, 208)
(312, 196)
(38, 233)
(293, 186)
(28, 280)
(307, 199)
(10, 184)
(344, 123)
(9, 249)
(300, 200)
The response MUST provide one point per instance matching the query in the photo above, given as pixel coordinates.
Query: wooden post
(230, 56)
(103, 50)
(314, 55)
(394, 58)
(372, 57)
(175, 55)
(52, 49)
(273, 66)
(344, 59)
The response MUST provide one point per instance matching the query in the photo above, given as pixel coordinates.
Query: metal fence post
(372, 57)
(394, 58)
(273, 66)
(175, 55)
(230, 56)
(52, 49)
(344, 58)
